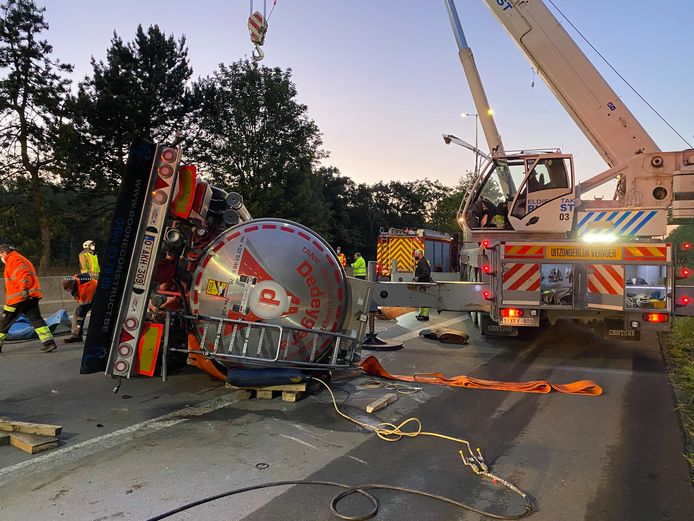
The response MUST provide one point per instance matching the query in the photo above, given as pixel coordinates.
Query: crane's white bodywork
(653, 187)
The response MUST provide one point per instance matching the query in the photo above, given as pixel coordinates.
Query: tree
(32, 96)
(444, 216)
(255, 137)
(142, 89)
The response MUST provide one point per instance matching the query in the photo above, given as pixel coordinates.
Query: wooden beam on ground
(43, 429)
(382, 402)
(32, 443)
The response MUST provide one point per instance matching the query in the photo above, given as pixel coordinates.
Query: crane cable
(620, 75)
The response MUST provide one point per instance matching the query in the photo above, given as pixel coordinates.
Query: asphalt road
(155, 446)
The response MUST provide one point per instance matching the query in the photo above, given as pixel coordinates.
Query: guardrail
(54, 296)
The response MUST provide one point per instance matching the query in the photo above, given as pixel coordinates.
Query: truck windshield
(503, 181)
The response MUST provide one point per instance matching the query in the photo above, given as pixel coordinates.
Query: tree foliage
(141, 89)
(33, 90)
(243, 125)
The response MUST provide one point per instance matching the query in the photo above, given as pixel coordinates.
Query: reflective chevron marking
(627, 222)
(400, 248)
(606, 279)
(521, 277)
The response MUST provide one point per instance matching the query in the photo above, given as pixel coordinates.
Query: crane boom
(595, 107)
(479, 97)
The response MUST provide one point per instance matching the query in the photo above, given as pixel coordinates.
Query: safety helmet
(87, 244)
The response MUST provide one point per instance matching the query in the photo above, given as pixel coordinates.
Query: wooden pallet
(289, 392)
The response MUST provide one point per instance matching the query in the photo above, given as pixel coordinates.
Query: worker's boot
(76, 335)
(423, 314)
(49, 346)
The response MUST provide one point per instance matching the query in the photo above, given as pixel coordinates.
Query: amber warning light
(655, 317)
(511, 312)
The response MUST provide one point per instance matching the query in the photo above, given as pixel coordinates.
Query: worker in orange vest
(22, 295)
(341, 257)
(82, 288)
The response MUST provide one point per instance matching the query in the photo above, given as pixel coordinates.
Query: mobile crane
(269, 292)
(550, 252)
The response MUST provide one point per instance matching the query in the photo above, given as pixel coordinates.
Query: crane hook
(257, 26)
(257, 54)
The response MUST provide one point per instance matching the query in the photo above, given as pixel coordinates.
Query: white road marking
(299, 441)
(415, 333)
(359, 460)
(86, 448)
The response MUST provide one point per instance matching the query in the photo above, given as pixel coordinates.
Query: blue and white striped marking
(623, 222)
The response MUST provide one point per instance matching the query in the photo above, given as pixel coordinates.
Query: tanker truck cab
(523, 194)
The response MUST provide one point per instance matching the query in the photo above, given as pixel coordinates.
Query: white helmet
(87, 244)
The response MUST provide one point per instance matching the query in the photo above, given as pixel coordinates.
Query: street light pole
(477, 155)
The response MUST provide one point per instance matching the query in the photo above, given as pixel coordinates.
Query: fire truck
(189, 273)
(395, 247)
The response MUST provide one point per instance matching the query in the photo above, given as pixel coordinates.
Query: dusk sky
(382, 79)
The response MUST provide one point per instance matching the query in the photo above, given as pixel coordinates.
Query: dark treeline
(63, 143)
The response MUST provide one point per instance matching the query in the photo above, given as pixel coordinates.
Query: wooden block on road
(43, 429)
(381, 402)
(32, 443)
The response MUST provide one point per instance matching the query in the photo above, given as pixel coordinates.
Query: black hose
(349, 490)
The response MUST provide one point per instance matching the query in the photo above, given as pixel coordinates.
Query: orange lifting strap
(372, 366)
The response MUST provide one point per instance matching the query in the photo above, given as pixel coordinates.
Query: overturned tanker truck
(189, 275)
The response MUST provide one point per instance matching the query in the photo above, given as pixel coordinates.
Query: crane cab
(527, 193)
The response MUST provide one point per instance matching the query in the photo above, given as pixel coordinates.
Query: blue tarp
(58, 322)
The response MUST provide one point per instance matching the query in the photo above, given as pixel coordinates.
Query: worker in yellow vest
(89, 262)
(341, 257)
(359, 266)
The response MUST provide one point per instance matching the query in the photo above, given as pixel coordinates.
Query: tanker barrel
(235, 202)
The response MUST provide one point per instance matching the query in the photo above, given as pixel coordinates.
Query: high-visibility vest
(20, 277)
(89, 263)
(85, 289)
(359, 266)
(343, 260)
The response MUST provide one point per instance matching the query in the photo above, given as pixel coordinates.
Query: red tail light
(487, 268)
(511, 312)
(684, 273)
(486, 243)
(487, 295)
(683, 301)
(655, 317)
(686, 246)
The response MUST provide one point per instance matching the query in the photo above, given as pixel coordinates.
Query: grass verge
(680, 358)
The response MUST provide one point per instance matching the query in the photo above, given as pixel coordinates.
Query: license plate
(143, 261)
(520, 321)
(624, 334)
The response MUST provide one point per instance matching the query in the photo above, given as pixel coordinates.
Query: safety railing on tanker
(259, 343)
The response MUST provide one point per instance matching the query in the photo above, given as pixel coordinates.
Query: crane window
(546, 176)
